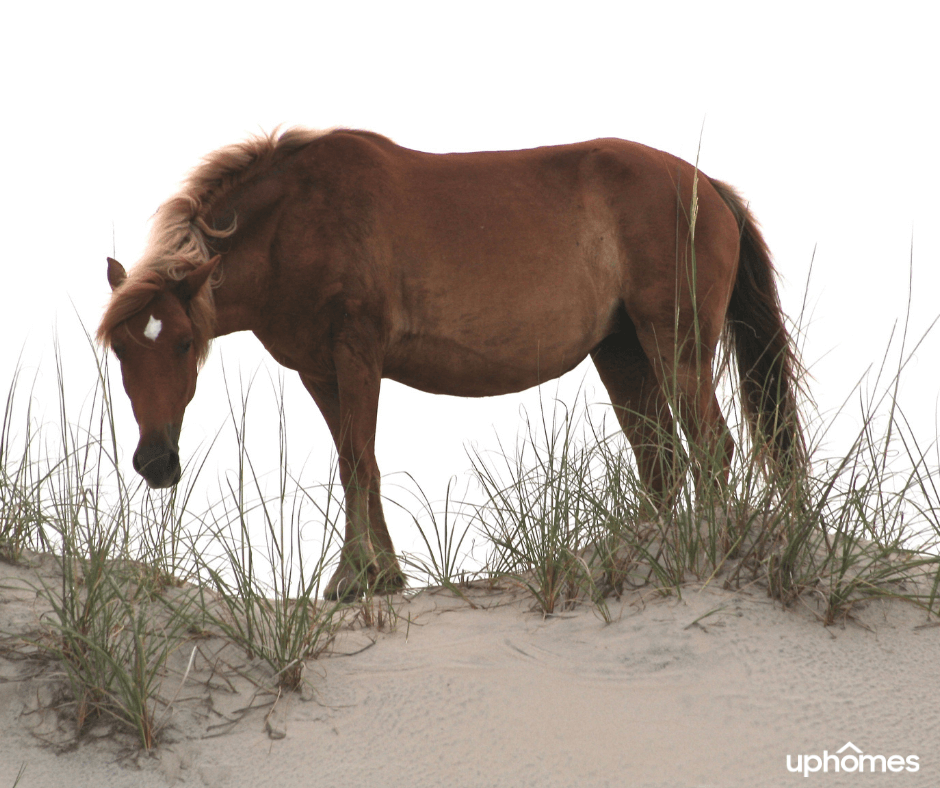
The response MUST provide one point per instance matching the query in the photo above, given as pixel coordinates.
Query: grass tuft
(564, 516)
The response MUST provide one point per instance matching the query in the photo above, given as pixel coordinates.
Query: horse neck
(236, 297)
(240, 296)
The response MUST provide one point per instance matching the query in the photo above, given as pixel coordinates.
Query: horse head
(159, 365)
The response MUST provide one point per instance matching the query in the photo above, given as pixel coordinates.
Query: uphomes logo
(851, 759)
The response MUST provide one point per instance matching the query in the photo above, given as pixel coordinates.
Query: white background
(823, 114)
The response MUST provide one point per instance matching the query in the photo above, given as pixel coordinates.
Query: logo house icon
(850, 758)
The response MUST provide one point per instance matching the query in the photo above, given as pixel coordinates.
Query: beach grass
(563, 516)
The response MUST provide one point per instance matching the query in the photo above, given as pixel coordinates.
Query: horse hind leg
(642, 411)
(687, 375)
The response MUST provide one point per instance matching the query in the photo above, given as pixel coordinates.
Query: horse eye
(185, 346)
(118, 352)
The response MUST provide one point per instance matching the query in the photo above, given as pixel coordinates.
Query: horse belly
(487, 350)
(505, 283)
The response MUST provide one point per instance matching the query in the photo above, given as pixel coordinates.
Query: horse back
(506, 266)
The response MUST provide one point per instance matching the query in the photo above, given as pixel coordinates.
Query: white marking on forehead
(152, 331)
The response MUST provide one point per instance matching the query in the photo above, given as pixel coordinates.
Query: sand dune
(714, 689)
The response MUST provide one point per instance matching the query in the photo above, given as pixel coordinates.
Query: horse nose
(158, 463)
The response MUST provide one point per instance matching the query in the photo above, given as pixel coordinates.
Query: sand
(716, 688)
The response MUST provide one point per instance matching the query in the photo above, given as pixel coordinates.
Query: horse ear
(116, 273)
(189, 286)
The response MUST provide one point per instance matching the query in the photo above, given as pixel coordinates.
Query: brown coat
(472, 274)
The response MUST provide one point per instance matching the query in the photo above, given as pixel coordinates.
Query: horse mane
(179, 234)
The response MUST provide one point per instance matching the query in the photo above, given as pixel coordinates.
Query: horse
(353, 259)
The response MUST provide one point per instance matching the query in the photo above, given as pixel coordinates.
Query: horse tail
(769, 370)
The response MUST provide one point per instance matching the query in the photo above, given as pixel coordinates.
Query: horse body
(353, 259)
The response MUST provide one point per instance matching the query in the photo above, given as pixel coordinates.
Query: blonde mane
(178, 236)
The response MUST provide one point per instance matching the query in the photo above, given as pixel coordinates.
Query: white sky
(823, 114)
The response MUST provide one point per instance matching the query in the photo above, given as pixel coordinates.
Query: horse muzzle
(157, 458)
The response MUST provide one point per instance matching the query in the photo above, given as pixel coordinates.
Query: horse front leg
(358, 567)
(349, 404)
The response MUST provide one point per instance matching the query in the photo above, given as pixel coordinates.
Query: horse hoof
(346, 585)
(391, 581)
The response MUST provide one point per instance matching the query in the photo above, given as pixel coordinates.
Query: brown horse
(353, 259)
